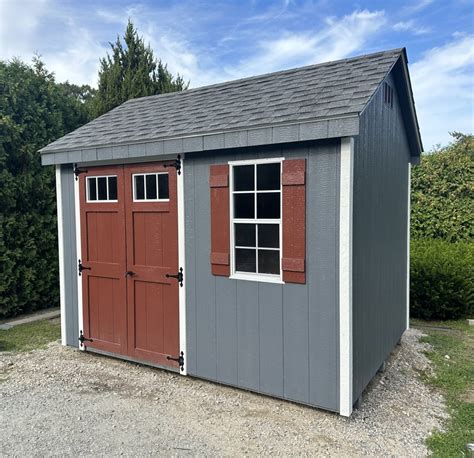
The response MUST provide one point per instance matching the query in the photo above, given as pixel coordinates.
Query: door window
(102, 188)
(151, 187)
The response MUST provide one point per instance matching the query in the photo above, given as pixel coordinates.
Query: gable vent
(388, 94)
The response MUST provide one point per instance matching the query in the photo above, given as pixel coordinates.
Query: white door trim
(62, 276)
(182, 263)
(77, 210)
(345, 276)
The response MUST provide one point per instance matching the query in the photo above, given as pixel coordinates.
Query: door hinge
(83, 339)
(179, 360)
(80, 267)
(179, 276)
(176, 163)
(78, 171)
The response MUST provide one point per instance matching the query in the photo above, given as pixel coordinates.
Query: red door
(152, 253)
(104, 258)
(130, 244)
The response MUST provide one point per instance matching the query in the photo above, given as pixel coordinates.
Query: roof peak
(273, 74)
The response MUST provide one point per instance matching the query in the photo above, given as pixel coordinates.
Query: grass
(454, 377)
(26, 337)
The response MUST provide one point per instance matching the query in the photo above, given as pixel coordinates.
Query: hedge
(441, 279)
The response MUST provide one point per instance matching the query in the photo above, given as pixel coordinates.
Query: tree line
(35, 110)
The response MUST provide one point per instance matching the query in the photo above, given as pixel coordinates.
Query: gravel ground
(58, 401)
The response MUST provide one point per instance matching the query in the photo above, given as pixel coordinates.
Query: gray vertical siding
(70, 257)
(275, 339)
(381, 158)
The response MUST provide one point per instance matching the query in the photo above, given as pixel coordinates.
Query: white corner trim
(408, 246)
(77, 210)
(62, 286)
(345, 276)
(182, 261)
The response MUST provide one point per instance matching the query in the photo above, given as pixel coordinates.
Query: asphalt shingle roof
(328, 90)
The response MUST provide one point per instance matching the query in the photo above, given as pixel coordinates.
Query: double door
(129, 238)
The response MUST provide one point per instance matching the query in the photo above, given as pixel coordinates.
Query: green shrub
(443, 192)
(441, 279)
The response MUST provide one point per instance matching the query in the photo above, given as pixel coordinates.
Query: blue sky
(210, 41)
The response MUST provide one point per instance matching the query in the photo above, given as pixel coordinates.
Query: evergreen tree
(132, 71)
(34, 111)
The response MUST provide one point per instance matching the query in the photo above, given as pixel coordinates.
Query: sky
(210, 41)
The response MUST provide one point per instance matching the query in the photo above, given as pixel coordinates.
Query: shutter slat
(294, 221)
(220, 220)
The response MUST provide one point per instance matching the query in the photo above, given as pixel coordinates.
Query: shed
(253, 233)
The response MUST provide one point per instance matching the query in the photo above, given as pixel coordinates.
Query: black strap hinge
(179, 360)
(78, 171)
(83, 339)
(80, 267)
(179, 276)
(176, 163)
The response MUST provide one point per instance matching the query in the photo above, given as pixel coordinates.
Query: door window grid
(264, 258)
(102, 188)
(150, 187)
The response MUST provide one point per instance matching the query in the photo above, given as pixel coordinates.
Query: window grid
(255, 221)
(144, 175)
(95, 178)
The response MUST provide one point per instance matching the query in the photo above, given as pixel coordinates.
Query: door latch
(83, 339)
(176, 164)
(179, 276)
(179, 360)
(81, 268)
(129, 273)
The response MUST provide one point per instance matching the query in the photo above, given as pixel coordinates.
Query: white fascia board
(345, 276)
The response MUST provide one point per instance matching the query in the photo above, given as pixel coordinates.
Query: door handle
(129, 273)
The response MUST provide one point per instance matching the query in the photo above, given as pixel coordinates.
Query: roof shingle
(333, 89)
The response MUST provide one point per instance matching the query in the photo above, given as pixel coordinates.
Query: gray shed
(254, 233)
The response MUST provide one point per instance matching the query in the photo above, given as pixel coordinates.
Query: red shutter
(294, 221)
(220, 220)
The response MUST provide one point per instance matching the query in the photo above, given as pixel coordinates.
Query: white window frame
(144, 174)
(254, 276)
(96, 177)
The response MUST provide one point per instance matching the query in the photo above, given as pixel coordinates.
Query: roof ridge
(269, 74)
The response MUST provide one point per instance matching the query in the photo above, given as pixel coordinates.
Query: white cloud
(410, 26)
(339, 38)
(443, 86)
(418, 5)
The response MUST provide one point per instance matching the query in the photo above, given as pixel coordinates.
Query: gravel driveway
(63, 402)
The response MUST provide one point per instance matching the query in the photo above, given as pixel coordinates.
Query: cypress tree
(131, 71)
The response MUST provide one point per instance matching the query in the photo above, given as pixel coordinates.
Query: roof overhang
(318, 129)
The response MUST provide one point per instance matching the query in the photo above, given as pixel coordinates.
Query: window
(102, 189)
(256, 219)
(150, 187)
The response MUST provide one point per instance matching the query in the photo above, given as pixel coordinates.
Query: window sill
(257, 278)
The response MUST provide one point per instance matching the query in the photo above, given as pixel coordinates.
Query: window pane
(268, 262)
(268, 205)
(139, 187)
(244, 205)
(245, 235)
(112, 188)
(163, 188)
(151, 186)
(268, 235)
(92, 188)
(245, 260)
(268, 176)
(102, 188)
(244, 178)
